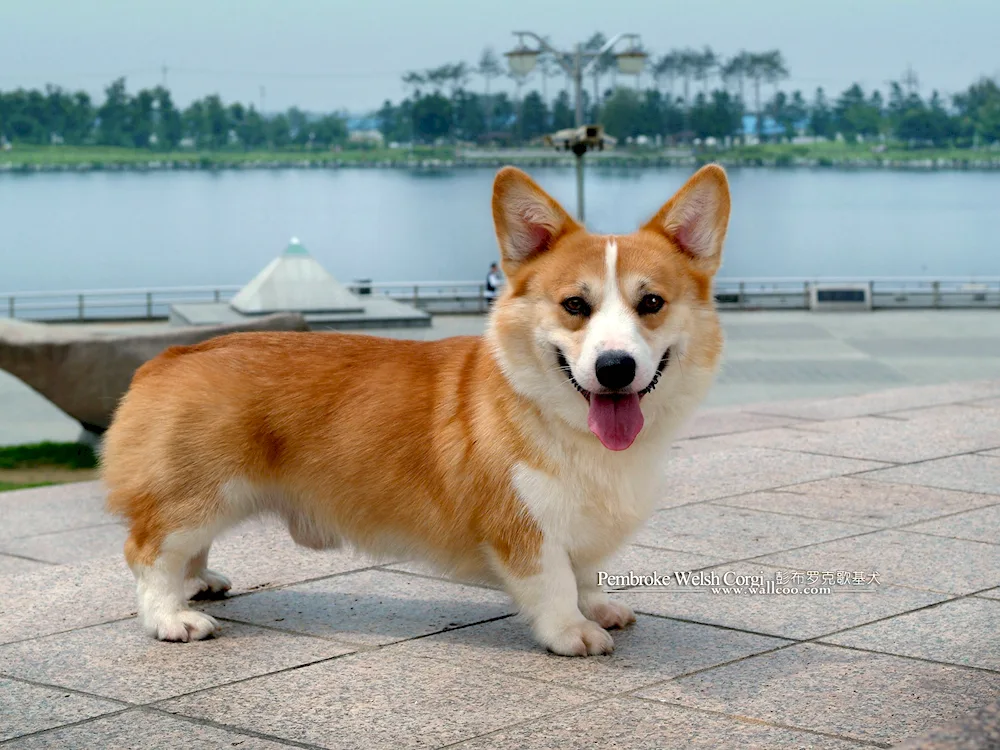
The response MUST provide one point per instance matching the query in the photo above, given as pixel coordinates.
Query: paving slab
(142, 729)
(971, 473)
(380, 699)
(706, 471)
(962, 632)
(652, 650)
(72, 546)
(977, 731)
(10, 565)
(735, 533)
(794, 616)
(648, 725)
(118, 660)
(902, 558)
(861, 501)
(896, 440)
(370, 608)
(982, 525)
(885, 401)
(255, 557)
(43, 510)
(853, 694)
(26, 708)
(710, 422)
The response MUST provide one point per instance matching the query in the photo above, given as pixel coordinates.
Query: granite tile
(710, 422)
(918, 438)
(10, 565)
(118, 660)
(380, 699)
(140, 729)
(74, 596)
(713, 471)
(990, 593)
(28, 708)
(982, 525)
(961, 632)
(992, 454)
(861, 501)
(371, 608)
(971, 473)
(734, 533)
(651, 650)
(882, 402)
(73, 546)
(644, 725)
(254, 557)
(840, 691)
(902, 558)
(42, 510)
(797, 616)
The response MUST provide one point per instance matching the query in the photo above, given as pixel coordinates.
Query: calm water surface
(110, 230)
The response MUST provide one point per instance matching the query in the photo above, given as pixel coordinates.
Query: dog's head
(609, 331)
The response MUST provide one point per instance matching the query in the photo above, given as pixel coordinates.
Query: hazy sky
(331, 54)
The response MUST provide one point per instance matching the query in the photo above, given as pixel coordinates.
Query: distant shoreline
(97, 159)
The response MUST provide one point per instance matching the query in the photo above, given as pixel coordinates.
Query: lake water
(114, 230)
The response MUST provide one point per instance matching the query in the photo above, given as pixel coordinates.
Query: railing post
(805, 294)
(742, 295)
(416, 294)
(216, 294)
(149, 305)
(10, 306)
(482, 298)
(936, 286)
(79, 306)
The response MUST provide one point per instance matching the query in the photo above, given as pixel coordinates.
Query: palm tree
(764, 67)
(704, 64)
(687, 62)
(665, 69)
(489, 68)
(735, 71)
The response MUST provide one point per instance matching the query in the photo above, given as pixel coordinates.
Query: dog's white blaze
(613, 328)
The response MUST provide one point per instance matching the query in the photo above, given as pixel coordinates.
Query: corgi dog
(526, 456)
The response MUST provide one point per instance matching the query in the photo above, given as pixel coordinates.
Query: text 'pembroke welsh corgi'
(526, 456)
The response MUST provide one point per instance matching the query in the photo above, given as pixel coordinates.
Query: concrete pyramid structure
(295, 282)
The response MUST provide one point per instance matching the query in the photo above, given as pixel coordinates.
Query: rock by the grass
(85, 373)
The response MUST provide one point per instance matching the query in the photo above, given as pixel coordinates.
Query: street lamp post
(576, 65)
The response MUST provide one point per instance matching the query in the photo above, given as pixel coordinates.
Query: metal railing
(154, 303)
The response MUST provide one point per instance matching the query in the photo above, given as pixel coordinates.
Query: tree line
(681, 96)
(150, 119)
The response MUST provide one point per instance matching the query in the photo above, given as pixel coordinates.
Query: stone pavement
(769, 355)
(334, 651)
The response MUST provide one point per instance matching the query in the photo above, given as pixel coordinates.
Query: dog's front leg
(548, 599)
(595, 603)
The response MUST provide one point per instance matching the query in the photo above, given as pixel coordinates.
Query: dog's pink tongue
(615, 418)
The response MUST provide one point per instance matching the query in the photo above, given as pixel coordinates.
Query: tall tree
(113, 115)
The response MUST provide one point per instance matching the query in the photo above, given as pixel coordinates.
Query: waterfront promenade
(834, 446)
(769, 355)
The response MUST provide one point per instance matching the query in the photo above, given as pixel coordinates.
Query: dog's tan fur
(404, 447)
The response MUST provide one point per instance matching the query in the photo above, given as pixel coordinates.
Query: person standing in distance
(494, 280)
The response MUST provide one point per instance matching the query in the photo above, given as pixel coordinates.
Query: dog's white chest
(589, 509)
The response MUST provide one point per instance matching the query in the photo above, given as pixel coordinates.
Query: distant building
(364, 130)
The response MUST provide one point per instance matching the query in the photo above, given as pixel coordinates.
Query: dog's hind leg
(160, 566)
(202, 580)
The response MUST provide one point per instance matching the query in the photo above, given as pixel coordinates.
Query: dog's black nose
(615, 370)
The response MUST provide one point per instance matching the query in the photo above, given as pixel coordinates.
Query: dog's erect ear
(695, 219)
(527, 219)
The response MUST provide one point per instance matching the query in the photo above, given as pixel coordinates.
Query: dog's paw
(579, 639)
(610, 614)
(185, 626)
(207, 585)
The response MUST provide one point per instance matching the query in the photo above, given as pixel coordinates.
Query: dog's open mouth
(615, 417)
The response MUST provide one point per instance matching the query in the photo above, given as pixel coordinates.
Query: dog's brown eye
(576, 306)
(650, 304)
